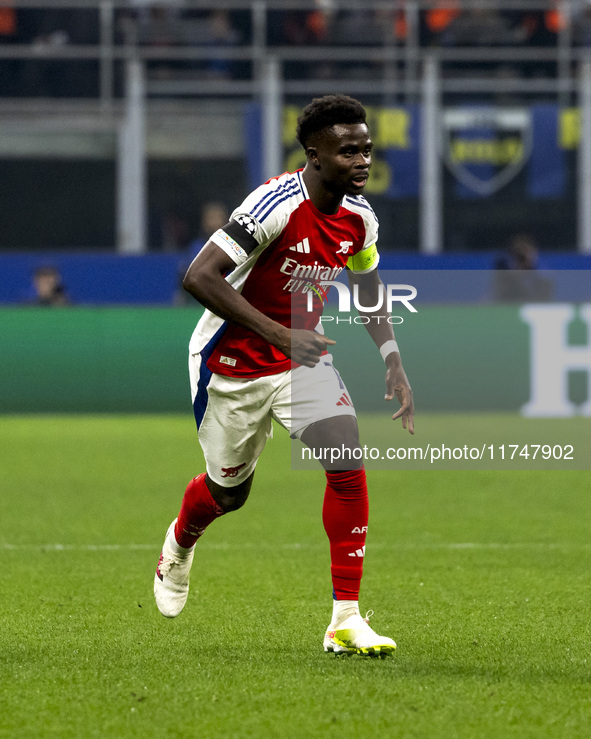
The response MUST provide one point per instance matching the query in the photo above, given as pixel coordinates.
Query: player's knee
(232, 502)
(230, 499)
(335, 443)
(338, 431)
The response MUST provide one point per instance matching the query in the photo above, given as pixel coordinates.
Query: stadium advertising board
(485, 375)
(484, 147)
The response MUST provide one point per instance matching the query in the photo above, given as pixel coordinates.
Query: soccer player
(249, 362)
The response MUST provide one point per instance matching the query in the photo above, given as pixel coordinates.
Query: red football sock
(198, 510)
(345, 514)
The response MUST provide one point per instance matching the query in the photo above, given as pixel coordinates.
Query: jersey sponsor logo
(228, 360)
(304, 276)
(358, 552)
(303, 247)
(359, 530)
(345, 245)
(319, 272)
(232, 471)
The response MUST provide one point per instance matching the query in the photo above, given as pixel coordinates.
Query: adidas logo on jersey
(358, 553)
(344, 400)
(303, 247)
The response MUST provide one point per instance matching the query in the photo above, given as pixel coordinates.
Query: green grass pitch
(483, 579)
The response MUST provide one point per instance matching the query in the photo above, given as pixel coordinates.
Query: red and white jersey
(283, 247)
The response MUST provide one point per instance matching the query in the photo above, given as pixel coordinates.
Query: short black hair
(327, 111)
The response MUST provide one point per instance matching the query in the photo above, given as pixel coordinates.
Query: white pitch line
(225, 546)
(79, 547)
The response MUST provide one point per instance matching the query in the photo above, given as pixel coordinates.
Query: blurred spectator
(556, 18)
(481, 25)
(8, 23)
(540, 28)
(156, 24)
(147, 10)
(221, 33)
(48, 287)
(582, 25)
(175, 229)
(362, 28)
(8, 34)
(516, 279)
(304, 28)
(214, 215)
(356, 28)
(170, 25)
(437, 19)
(48, 29)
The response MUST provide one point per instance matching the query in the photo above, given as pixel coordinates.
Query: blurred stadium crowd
(449, 23)
(62, 104)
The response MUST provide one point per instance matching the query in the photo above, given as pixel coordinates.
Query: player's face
(343, 154)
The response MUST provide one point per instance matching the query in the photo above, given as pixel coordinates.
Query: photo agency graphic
(499, 385)
(349, 301)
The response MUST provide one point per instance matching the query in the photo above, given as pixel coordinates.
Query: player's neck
(323, 199)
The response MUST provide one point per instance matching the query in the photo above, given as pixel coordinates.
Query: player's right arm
(205, 281)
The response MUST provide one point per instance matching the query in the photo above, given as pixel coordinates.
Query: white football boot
(171, 581)
(354, 635)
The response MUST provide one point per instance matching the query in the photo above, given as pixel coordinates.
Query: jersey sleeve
(367, 259)
(259, 219)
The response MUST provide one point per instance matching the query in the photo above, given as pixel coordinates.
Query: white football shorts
(234, 415)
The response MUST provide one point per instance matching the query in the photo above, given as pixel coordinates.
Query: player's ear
(312, 155)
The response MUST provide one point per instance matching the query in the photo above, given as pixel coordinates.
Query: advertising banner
(484, 147)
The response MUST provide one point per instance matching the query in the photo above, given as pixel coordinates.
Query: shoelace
(166, 564)
(368, 615)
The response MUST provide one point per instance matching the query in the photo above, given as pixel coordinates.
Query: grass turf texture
(481, 577)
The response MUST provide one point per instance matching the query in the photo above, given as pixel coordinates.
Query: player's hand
(306, 347)
(397, 384)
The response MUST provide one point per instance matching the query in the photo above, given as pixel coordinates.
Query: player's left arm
(369, 286)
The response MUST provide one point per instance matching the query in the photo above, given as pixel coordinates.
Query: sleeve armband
(365, 260)
(236, 238)
(229, 245)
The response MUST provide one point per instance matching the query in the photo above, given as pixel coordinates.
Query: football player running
(255, 355)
